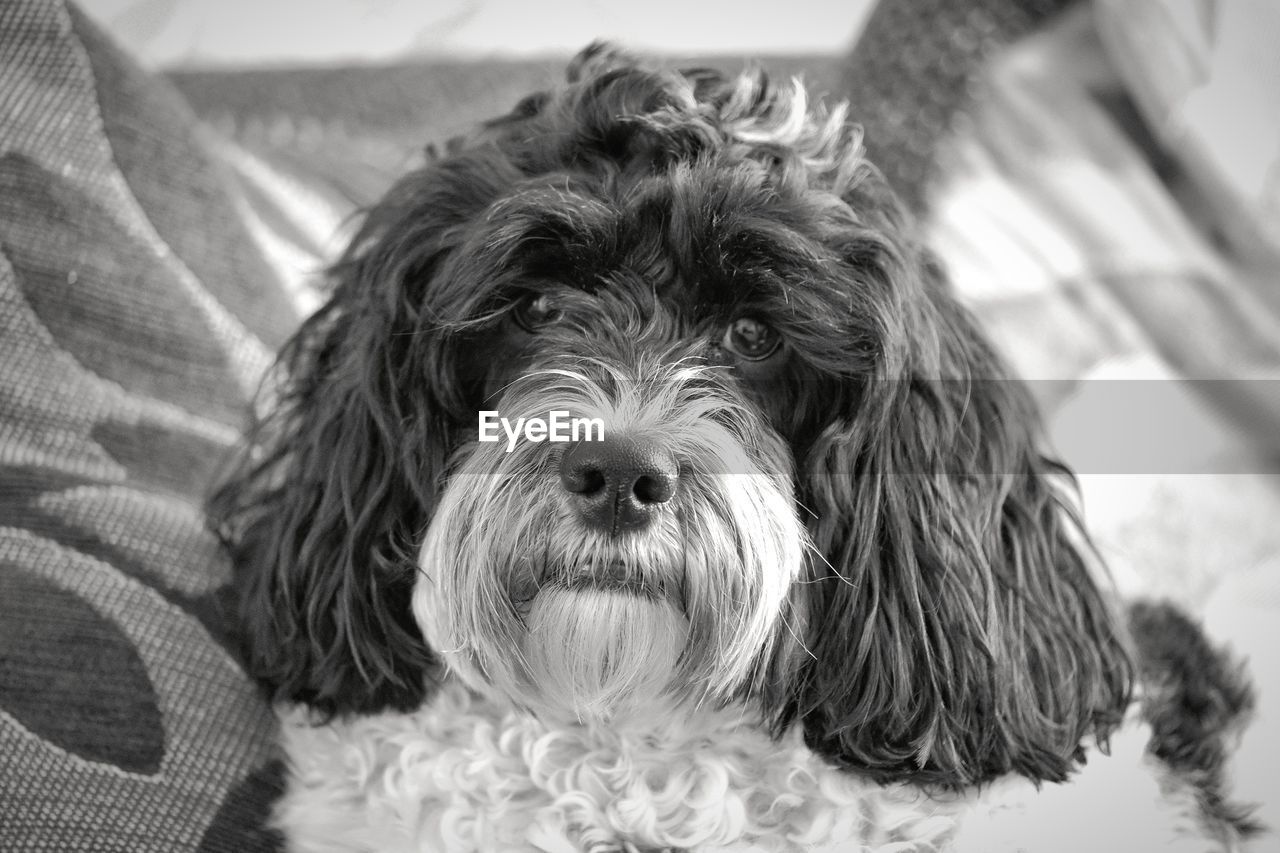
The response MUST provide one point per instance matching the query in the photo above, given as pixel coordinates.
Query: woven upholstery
(134, 322)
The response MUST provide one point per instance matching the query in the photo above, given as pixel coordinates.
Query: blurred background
(245, 32)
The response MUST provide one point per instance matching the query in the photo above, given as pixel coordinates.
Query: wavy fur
(904, 582)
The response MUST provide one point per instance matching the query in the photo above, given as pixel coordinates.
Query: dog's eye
(748, 338)
(537, 311)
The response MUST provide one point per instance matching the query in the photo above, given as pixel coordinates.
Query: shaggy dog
(810, 584)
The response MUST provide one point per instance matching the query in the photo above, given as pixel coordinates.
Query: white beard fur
(467, 774)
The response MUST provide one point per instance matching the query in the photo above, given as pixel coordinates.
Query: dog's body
(816, 586)
(463, 775)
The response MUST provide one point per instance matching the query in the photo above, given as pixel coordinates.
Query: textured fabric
(917, 66)
(133, 315)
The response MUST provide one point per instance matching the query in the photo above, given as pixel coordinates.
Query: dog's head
(800, 475)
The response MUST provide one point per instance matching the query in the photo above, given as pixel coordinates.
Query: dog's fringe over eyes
(920, 599)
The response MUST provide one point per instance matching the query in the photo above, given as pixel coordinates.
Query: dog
(806, 580)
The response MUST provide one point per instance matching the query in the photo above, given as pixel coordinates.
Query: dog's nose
(617, 484)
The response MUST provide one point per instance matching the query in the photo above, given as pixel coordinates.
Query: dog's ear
(324, 511)
(956, 632)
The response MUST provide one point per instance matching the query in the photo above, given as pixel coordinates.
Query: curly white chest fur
(463, 774)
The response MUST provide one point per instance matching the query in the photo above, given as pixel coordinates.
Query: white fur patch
(507, 564)
(463, 774)
(600, 649)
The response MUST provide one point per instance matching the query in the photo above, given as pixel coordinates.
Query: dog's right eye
(536, 311)
(751, 339)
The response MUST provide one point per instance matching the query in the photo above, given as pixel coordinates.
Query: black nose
(617, 484)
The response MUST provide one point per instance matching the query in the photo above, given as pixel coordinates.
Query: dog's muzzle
(592, 576)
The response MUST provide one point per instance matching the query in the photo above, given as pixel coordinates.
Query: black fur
(1197, 700)
(954, 633)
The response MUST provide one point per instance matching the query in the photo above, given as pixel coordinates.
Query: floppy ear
(324, 511)
(955, 629)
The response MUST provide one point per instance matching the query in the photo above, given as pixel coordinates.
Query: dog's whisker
(800, 642)
(805, 507)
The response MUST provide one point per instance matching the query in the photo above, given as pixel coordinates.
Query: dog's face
(660, 275)
(814, 488)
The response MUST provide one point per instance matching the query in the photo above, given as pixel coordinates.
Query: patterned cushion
(135, 319)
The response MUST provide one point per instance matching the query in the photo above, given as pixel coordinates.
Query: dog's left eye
(537, 311)
(748, 338)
